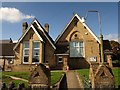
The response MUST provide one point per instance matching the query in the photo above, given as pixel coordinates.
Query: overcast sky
(58, 15)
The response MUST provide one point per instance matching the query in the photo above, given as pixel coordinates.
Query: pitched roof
(5, 41)
(45, 33)
(37, 32)
(6, 52)
(106, 45)
(84, 24)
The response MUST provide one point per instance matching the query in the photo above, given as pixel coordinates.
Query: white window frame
(59, 62)
(78, 46)
(36, 49)
(24, 52)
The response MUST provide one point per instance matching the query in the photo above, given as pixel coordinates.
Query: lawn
(7, 80)
(115, 71)
(55, 77)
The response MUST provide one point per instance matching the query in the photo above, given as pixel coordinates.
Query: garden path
(73, 80)
(17, 78)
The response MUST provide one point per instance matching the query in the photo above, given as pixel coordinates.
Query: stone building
(75, 47)
(6, 54)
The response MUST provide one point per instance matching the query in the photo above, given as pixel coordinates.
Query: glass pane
(25, 58)
(36, 44)
(81, 44)
(35, 52)
(77, 44)
(72, 49)
(35, 59)
(26, 52)
(77, 50)
(26, 44)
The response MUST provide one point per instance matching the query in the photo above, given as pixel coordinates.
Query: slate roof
(44, 32)
(106, 45)
(6, 48)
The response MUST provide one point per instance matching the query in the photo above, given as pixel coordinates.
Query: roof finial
(73, 13)
(10, 40)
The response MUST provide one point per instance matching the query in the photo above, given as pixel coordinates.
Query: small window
(10, 61)
(94, 59)
(60, 60)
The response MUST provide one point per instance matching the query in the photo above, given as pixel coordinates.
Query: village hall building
(75, 47)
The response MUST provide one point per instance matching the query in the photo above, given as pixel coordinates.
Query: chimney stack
(46, 27)
(24, 27)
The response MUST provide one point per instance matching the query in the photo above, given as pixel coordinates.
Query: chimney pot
(46, 27)
(24, 27)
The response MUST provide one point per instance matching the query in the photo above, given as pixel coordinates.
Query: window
(25, 52)
(36, 49)
(76, 49)
(10, 61)
(93, 59)
(60, 59)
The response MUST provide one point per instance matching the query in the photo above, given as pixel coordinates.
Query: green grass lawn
(55, 77)
(7, 80)
(115, 71)
(23, 75)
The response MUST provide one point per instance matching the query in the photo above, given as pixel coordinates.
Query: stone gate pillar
(101, 76)
(65, 63)
(40, 77)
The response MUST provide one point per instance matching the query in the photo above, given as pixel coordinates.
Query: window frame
(60, 62)
(75, 46)
(33, 51)
(24, 52)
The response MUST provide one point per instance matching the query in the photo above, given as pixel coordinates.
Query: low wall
(23, 68)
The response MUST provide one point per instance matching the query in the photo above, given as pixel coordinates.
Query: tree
(116, 51)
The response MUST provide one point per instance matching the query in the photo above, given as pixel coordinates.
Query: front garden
(55, 76)
(116, 72)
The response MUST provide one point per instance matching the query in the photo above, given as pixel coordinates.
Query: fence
(12, 86)
(87, 83)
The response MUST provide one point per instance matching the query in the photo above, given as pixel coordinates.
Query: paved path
(73, 80)
(17, 78)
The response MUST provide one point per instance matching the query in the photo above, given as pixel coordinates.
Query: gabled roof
(84, 24)
(37, 32)
(45, 33)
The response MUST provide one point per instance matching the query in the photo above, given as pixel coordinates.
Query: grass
(55, 77)
(115, 71)
(83, 72)
(24, 75)
(7, 80)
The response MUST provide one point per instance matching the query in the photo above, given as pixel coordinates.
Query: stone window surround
(30, 52)
(24, 48)
(36, 49)
(80, 47)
